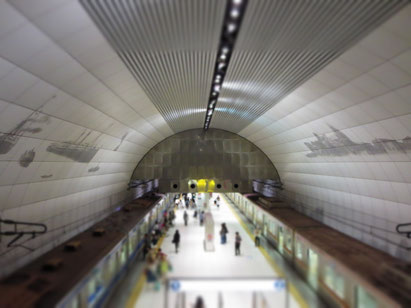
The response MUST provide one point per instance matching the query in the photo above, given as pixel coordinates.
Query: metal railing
(20, 233)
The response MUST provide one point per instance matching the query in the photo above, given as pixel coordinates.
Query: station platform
(192, 261)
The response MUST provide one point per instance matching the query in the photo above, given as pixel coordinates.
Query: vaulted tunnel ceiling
(322, 87)
(216, 156)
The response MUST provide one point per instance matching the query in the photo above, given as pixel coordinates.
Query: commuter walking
(154, 238)
(151, 276)
(185, 216)
(164, 225)
(201, 218)
(176, 240)
(171, 216)
(163, 267)
(223, 233)
(237, 244)
(257, 233)
(160, 254)
(147, 245)
(199, 303)
(157, 228)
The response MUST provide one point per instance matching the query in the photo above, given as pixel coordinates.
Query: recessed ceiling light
(231, 27)
(234, 13)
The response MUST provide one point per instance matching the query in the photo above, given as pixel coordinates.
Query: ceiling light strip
(231, 25)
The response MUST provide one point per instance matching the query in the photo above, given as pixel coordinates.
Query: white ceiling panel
(282, 44)
(346, 154)
(173, 65)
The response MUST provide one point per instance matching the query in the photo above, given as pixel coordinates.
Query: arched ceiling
(223, 160)
(328, 103)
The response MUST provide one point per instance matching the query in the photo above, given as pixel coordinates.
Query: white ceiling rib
(170, 47)
(282, 44)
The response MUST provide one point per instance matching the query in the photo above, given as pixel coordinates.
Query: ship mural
(27, 158)
(339, 144)
(30, 124)
(121, 142)
(75, 150)
(94, 169)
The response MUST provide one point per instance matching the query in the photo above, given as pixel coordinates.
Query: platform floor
(193, 261)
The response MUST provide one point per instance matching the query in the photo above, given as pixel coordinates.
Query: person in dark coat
(201, 218)
(185, 216)
(176, 240)
(237, 244)
(223, 233)
(147, 245)
(199, 302)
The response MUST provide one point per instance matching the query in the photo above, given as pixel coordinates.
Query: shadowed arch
(215, 155)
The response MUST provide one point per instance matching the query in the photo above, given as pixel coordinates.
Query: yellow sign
(203, 185)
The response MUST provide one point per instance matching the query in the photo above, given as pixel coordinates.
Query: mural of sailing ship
(339, 144)
(94, 169)
(9, 140)
(121, 142)
(27, 158)
(75, 150)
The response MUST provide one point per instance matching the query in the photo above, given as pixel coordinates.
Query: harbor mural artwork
(122, 139)
(27, 158)
(339, 144)
(30, 124)
(77, 150)
(94, 169)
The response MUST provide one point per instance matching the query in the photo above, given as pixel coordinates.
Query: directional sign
(175, 285)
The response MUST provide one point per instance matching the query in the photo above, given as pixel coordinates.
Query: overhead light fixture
(235, 13)
(231, 27)
(221, 65)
